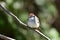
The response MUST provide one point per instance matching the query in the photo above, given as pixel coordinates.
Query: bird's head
(31, 14)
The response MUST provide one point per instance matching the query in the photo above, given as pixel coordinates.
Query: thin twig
(5, 37)
(42, 34)
(10, 13)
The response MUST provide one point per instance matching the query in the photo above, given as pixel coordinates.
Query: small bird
(33, 21)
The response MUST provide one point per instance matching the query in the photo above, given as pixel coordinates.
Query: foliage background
(10, 27)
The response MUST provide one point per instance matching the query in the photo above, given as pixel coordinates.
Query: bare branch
(5, 37)
(42, 34)
(10, 13)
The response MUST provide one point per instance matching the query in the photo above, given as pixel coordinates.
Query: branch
(5, 37)
(42, 34)
(10, 13)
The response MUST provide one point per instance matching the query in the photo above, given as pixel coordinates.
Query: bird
(33, 21)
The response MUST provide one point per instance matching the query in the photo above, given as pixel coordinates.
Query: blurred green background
(10, 27)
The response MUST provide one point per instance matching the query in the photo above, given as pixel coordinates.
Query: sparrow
(33, 21)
